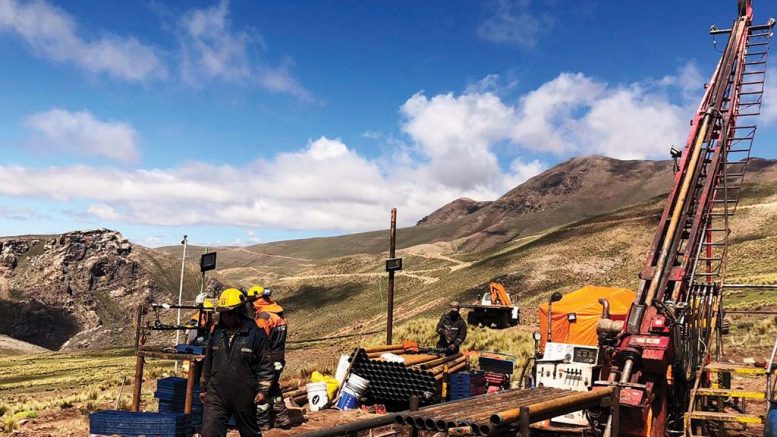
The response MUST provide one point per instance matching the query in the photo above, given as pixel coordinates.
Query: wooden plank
(735, 368)
(731, 393)
(726, 417)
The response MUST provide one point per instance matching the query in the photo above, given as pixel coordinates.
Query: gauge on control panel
(585, 355)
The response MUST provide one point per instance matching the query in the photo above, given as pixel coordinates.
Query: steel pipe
(569, 401)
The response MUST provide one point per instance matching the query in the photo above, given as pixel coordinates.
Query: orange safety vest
(267, 316)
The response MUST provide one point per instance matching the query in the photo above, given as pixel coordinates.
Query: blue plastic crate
(130, 424)
(466, 384)
(189, 349)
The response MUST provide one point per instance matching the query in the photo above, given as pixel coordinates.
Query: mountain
(573, 190)
(586, 221)
(81, 289)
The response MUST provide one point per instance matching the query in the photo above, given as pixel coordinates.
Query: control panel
(570, 367)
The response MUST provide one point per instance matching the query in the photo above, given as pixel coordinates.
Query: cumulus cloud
(82, 133)
(570, 114)
(211, 48)
(326, 186)
(53, 34)
(513, 22)
(474, 144)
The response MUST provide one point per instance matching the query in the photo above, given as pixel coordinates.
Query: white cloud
(212, 49)
(455, 144)
(455, 134)
(103, 212)
(513, 22)
(769, 108)
(82, 133)
(53, 34)
(492, 83)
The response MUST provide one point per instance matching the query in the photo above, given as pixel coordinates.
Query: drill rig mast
(673, 321)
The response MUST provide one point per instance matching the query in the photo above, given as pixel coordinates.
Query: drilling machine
(658, 356)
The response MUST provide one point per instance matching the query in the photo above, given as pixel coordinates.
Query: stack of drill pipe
(476, 412)
(377, 351)
(299, 396)
(389, 382)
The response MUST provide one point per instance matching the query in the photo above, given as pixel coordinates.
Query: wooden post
(187, 406)
(138, 328)
(392, 254)
(524, 422)
(137, 383)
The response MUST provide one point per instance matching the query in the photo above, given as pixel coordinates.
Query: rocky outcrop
(80, 284)
(453, 211)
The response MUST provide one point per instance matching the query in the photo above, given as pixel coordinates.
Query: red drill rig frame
(667, 335)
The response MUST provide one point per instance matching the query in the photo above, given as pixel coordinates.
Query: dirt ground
(72, 422)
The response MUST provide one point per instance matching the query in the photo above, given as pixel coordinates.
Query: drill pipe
(389, 347)
(437, 362)
(484, 410)
(478, 423)
(570, 400)
(296, 393)
(412, 360)
(481, 418)
(460, 431)
(439, 369)
(406, 419)
(441, 375)
(486, 401)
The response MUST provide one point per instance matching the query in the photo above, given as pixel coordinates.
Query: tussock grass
(37, 384)
(509, 341)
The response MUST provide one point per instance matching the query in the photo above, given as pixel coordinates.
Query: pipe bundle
(419, 375)
(474, 414)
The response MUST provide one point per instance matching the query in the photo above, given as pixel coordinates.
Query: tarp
(583, 305)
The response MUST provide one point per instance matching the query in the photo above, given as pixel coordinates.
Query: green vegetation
(34, 385)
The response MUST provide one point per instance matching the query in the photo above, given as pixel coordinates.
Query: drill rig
(658, 356)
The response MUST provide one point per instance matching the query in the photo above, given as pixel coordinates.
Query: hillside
(588, 220)
(453, 211)
(85, 284)
(570, 191)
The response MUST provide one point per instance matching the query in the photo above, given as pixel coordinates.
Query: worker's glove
(452, 347)
(278, 366)
(203, 395)
(166, 306)
(260, 399)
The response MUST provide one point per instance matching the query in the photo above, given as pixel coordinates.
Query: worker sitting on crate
(200, 323)
(237, 371)
(269, 316)
(452, 330)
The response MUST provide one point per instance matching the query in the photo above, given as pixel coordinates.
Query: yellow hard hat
(230, 299)
(254, 292)
(207, 305)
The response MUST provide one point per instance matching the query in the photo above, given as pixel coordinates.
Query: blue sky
(242, 122)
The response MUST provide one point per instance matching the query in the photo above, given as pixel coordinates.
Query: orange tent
(576, 315)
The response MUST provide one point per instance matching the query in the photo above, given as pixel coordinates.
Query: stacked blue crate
(171, 393)
(467, 384)
(131, 424)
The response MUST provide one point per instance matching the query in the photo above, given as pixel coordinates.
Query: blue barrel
(771, 420)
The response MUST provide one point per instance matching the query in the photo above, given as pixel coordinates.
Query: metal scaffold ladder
(714, 404)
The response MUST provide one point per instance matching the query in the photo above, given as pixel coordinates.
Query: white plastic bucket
(317, 397)
(342, 369)
(358, 385)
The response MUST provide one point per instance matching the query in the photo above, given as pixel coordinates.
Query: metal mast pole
(392, 255)
(185, 241)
